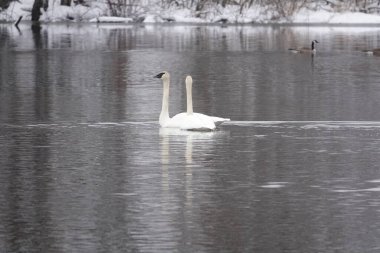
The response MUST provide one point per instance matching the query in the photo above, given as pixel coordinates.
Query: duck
(185, 120)
(311, 50)
(375, 51)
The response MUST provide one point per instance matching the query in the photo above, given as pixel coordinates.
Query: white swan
(164, 115)
(217, 120)
(195, 121)
(185, 121)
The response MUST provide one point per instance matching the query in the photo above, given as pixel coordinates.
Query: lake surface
(85, 166)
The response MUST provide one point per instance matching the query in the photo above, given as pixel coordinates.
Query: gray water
(85, 167)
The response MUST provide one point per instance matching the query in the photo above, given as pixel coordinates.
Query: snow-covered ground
(322, 16)
(98, 11)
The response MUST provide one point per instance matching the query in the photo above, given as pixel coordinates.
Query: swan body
(199, 120)
(311, 50)
(217, 120)
(187, 120)
(193, 122)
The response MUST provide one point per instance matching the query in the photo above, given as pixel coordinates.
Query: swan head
(188, 79)
(163, 75)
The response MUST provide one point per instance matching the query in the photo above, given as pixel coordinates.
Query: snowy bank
(99, 12)
(326, 17)
(110, 20)
(54, 13)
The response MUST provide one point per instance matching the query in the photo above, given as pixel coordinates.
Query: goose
(311, 50)
(185, 120)
(375, 51)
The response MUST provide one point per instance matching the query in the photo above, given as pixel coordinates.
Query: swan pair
(186, 120)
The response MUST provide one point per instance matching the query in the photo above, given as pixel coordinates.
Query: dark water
(85, 167)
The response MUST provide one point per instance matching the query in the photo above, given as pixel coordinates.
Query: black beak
(159, 75)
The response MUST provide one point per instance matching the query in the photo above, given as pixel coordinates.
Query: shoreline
(285, 24)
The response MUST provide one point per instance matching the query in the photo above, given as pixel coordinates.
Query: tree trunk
(66, 2)
(36, 10)
(4, 4)
(45, 4)
(200, 5)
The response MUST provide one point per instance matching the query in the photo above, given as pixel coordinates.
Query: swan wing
(175, 122)
(217, 120)
(191, 122)
(196, 122)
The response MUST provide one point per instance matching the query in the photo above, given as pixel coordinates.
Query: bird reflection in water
(183, 141)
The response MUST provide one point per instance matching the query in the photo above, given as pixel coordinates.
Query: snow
(153, 19)
(110, 20)
(326, 17)
(97, 11)
(54, 13)
(352, 18)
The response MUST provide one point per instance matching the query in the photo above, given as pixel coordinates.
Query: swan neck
(189, 96)
(164, 116)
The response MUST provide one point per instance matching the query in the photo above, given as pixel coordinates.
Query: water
(85, 166)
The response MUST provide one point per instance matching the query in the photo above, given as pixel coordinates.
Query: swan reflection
(183, 138)
(177, 144)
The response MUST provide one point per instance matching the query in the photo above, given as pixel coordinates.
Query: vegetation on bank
(137, 9)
